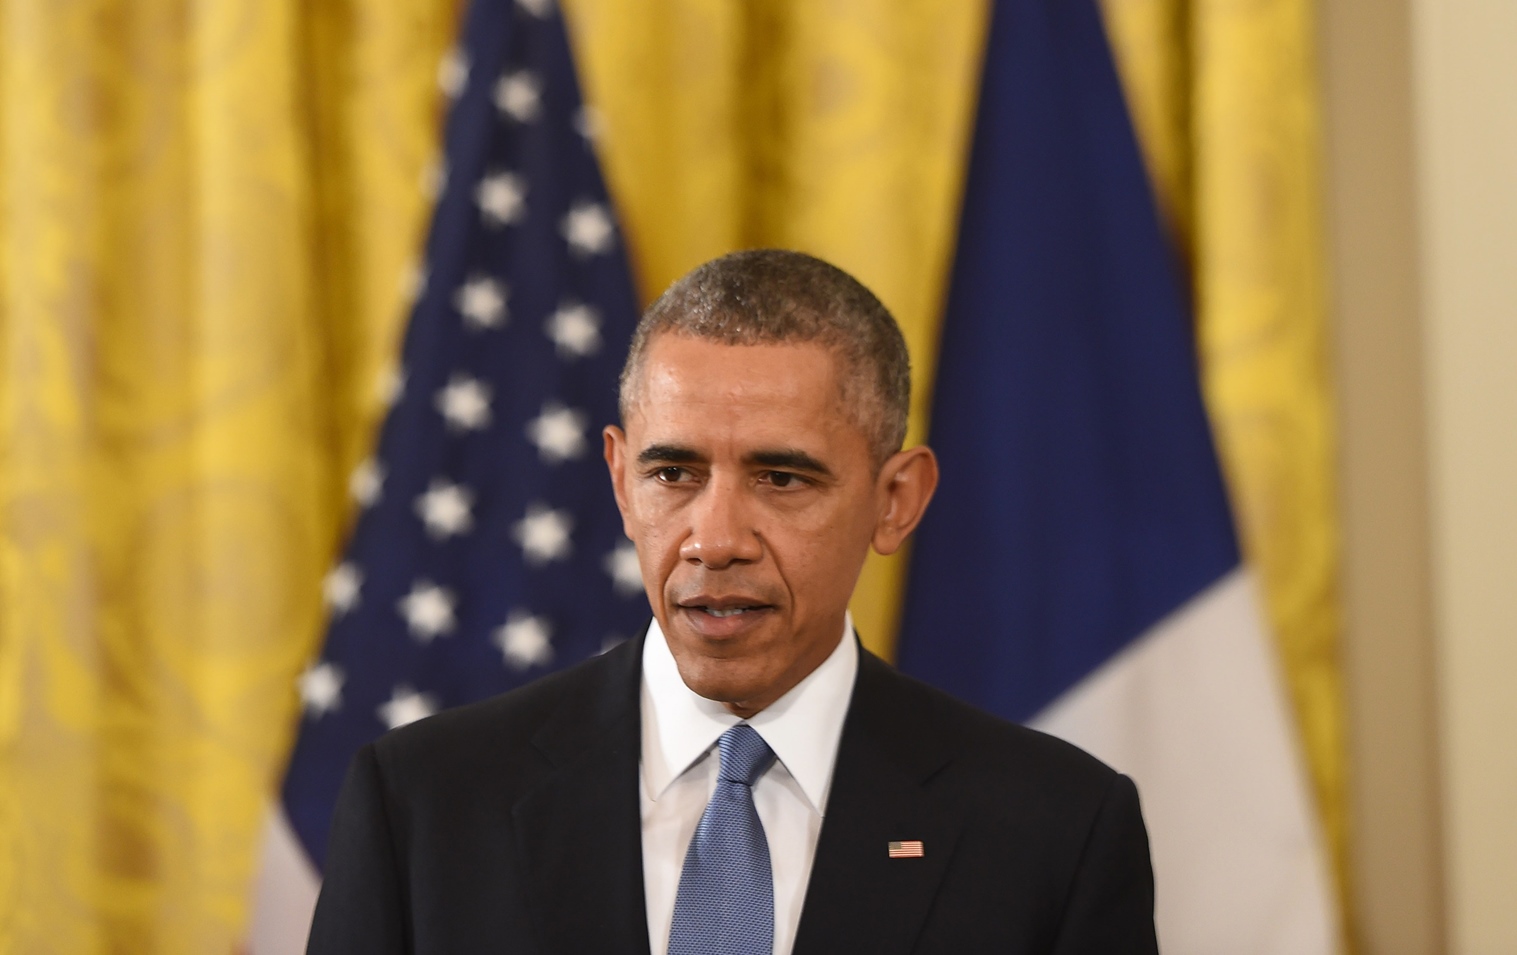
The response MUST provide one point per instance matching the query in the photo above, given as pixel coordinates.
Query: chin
(716, 681)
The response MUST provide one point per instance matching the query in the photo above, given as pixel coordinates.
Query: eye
(670, 475)
(783, 479)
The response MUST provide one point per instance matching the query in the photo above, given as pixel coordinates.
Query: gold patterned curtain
(838, 128)
(206, 213)
(1224, 93)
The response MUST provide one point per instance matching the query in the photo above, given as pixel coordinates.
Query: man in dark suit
(743, 778)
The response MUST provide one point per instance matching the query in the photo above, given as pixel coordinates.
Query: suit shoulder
(994, 745)
(501, 724)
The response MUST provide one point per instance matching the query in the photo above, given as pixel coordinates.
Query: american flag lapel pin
(909, 849)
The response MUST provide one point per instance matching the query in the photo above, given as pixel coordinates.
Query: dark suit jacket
(513, 825)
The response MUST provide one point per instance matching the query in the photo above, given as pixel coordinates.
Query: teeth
(726, 613)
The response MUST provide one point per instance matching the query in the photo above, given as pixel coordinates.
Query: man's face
(751, 495)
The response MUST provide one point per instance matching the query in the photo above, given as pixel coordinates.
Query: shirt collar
(802, 727)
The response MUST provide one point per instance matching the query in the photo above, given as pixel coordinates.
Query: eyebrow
(792, 459)
(669, 454)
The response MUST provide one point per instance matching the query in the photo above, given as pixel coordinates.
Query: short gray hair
(775, 296)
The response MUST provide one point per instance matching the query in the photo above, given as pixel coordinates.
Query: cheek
(647, 514)
(818, 549)
(655, 535)
(649, 504)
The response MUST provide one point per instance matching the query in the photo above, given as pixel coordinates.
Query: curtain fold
(1225, 96)
(207, 211)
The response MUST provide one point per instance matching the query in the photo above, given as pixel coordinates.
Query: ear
(616, 460)
(903, 489)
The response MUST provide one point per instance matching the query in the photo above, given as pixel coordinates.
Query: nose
(721, 529)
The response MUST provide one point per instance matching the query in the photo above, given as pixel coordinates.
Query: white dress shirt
(679, 771)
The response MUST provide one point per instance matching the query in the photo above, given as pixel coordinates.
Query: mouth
(720, 611)
(725, 609)
(722, 616)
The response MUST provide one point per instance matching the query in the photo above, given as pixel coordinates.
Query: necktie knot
(744, 755)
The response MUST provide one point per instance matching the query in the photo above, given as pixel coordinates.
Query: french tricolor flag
(1079, 569)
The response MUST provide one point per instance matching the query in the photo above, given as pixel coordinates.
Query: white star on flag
(446, 509)
(519, 95)
(482, 302)
(558, 432)
(428, 610)
(434, 179)
(367, 482)
(465, 403)
(543, 534)
(588, 123)
(538, 8)
(588, 228)
(321, 688)
(575, 330)
(501, 198)
(626, 573)
(392, 386)
(414, 284)
(406, 706)
(341, 586)
(524, 641)
(453, 73)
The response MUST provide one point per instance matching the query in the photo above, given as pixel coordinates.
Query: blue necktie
(725, 903)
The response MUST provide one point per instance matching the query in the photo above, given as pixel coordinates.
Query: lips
(722, 616)
(725, 607)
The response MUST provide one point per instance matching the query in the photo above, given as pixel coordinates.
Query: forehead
(696, 384)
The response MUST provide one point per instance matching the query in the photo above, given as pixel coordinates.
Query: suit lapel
(580, 829)
(859, 899)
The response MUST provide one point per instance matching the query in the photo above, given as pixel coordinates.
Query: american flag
(910, 849)
(487, 549)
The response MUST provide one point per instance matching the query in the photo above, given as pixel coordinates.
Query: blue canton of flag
(487, 548)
